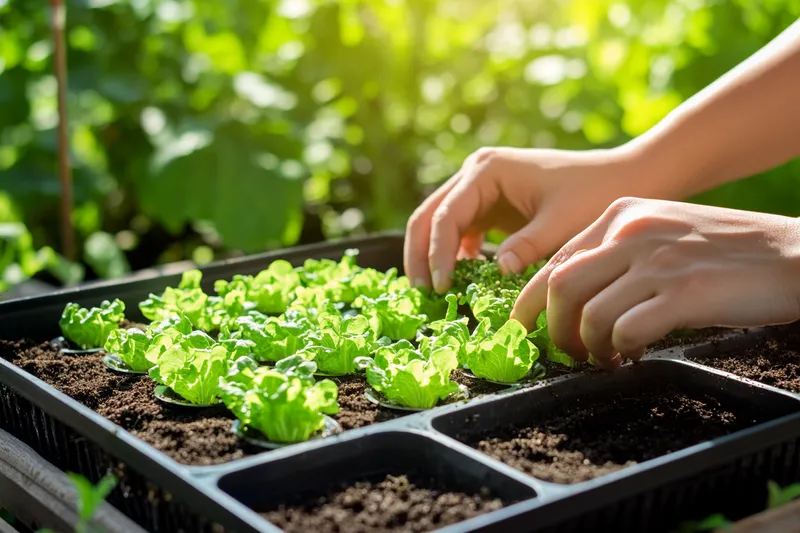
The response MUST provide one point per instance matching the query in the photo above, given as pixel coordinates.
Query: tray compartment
(141, 500)
(371, 457)
(728, 478)
(568, 447)
(770, 356)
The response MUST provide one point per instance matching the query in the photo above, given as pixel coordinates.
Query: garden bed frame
(728, 474)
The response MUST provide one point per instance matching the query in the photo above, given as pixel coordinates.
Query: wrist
(645, 169)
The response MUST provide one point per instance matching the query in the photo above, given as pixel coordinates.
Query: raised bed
(588, 451)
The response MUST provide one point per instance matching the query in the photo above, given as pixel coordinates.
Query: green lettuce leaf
(338, 342)
(275, 338)
(188, 299)
(408, 377)
(505, 356)
(541, 338)
(494, 305)
(191, 367)
(270, 291)
(130, 345)
(285, 408)
(398, 313)
(451, 330)
(89, 328)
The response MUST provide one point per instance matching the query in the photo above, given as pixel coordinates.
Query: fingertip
(441, 280)
(509, 263)
(420, 282)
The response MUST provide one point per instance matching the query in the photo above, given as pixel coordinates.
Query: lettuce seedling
(89, 328)
(271, 290)
(409, 377)
(275, 338)
(130, 346)
(398, 313)
(223, 311)
(188, 298)
(541, 338)
(286, 408)
(338, 342)
(450, 330)
(505, 356)
(494, 305)
(190, 366)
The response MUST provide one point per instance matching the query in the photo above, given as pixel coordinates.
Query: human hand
(648, 267)
(542, 198)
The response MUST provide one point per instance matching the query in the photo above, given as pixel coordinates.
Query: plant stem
(58, 17)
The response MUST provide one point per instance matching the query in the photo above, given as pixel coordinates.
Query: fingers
(529, 244)
(533, 297)
(603, 311)
(571, 286)
(451, 220)
(418, 235)
(644, 324)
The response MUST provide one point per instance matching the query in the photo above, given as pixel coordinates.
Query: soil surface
(684, 337)
(189, 435)
(592, 436)
(412, 503)
(477, 387)
(355, 410)
(774, 361)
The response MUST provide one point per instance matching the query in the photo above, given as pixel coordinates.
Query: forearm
(745, 122)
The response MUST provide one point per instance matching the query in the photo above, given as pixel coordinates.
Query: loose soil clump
(410, 503)
(589, 437)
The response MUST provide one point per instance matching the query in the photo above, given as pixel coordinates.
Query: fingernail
(419, 282)
(439, 281)
(509, 262)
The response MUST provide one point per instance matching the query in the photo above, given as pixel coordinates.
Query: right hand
(541, 198)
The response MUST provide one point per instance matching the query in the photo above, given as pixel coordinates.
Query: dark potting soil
(408, 503)
(589, 437)
(355, 410)
(476, 387)
(773, 361)
(684, 337)
(188, 435)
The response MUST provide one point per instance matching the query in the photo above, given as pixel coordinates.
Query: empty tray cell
(596, 424)
(388, 481)
(773, 359)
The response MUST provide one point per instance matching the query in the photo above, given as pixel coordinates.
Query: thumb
(530, 244)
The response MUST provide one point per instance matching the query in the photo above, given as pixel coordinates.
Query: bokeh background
(202, 129)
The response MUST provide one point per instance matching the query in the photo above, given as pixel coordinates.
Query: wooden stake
(58, 17)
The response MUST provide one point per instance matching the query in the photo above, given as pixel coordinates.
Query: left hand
(648, 267)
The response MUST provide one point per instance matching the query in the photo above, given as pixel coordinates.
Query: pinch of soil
(190, 436)
(408, 503)
(773, 361)
(355, 410)
(584, 438)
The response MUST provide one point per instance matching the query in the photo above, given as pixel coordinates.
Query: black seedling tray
(164, 496)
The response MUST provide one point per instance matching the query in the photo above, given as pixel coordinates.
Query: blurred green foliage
(205, 128)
